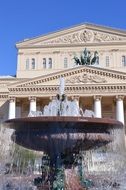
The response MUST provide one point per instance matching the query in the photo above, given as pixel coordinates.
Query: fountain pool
(79, 152)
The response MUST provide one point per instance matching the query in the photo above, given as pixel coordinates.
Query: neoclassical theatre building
(41, 61)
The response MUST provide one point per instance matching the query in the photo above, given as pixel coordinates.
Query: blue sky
(20, 19)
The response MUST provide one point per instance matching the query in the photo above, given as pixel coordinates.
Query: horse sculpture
(85, 58)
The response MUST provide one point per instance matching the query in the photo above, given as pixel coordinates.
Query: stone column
(12, 108)
(32, 103)
(120, 108)
(18, 109)
(97, 106)
(76, 98)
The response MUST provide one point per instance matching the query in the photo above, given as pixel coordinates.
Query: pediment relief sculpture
(82, 73)
(86, 78)
(83, 36)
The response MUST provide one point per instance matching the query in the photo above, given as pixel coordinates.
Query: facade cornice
(100, 72)
(81, 90)
(3, 96)
(93, 44)
(84, 27)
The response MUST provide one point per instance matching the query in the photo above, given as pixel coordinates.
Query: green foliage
(58, 183)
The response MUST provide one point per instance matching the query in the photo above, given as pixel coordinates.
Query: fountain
(68, 141)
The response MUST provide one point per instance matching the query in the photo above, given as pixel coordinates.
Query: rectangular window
(107, 61)
(44, 63)
(27, 64)
(50, 63)
(124, 61)
(33, 63)
(65, 62)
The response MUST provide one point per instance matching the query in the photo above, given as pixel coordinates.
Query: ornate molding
(97, 97)
(85, 78)
(3, 96)
(119, 97)
(32, 98)
(75, 98)
(12, 98)
(84, 36)
(81, 90)
(74, 71)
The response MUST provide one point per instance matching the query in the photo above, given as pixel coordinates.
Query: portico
(112, 107)
(43, 60)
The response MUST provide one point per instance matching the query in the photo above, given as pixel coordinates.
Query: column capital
(12, 99)
(75, 98)
(97, 97)
(52, 98)
(32, 98)
(119, 97)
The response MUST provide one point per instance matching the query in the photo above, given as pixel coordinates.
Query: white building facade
(43, 60)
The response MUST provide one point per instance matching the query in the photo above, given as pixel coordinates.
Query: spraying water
(78, 151)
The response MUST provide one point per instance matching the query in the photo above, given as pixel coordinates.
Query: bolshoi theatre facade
(42, 60)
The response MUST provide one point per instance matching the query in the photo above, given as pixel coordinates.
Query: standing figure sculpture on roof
(86, 58)
(95, 58)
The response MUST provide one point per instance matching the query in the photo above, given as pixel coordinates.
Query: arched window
(33, 63)
(50, 63)
(44, 63)
(65, 62)
(124, 61)
(27, 64)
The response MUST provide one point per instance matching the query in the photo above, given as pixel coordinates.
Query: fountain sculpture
(65, 136)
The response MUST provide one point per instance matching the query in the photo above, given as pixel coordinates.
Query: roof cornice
(72, 29)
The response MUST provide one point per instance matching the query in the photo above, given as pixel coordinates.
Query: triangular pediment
(82, 34)
(79, 75)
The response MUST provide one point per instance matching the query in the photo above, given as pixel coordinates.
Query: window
(107, 61)
(33, 63)
(50, 63)
(44, 63)
(27, 64)
(124, 61)
(65, 62)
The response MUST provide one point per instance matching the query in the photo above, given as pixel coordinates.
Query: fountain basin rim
(13, 123)
(40, 133)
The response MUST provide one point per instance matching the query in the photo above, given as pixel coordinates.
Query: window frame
(50, 63)
(65, 61)
(33, 63)
(44, 65)
(27, 64)
(123, 60)
(107, 61)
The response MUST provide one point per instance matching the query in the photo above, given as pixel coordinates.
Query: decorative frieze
(83, 36)
(86, 89)
(3, 96)
(96, 74)
(85, 78)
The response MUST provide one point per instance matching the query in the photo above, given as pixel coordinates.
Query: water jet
(63, 133)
